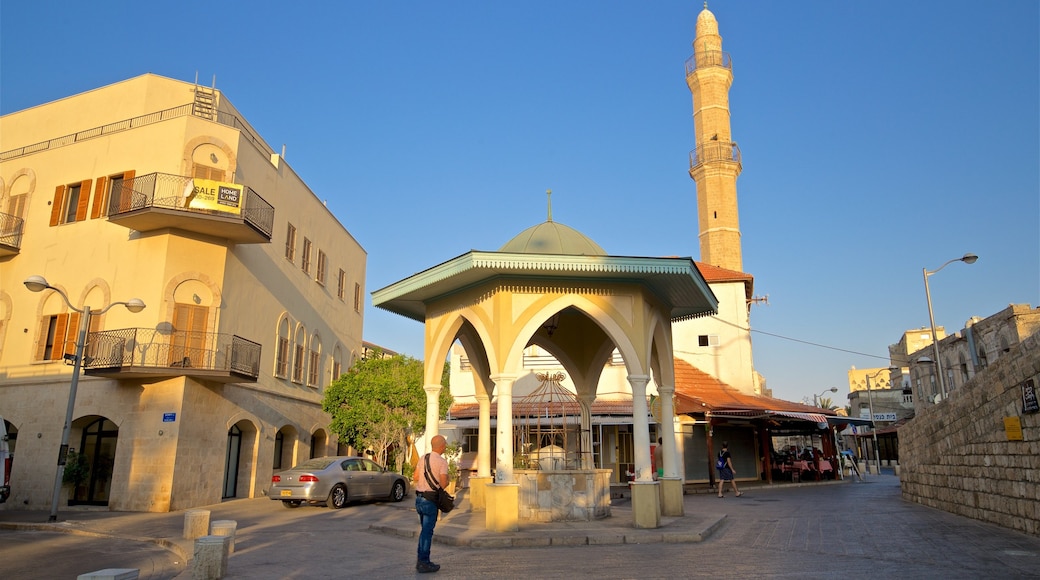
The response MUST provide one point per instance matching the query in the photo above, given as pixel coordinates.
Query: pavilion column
(585, 404)
(433, 414)
(478, 483)
(503, 496)
(646, 500)
(671, 482)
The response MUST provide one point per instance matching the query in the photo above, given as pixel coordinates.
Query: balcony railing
(708, 58)
(715, 151)
(146, 351)
(10, 234)
(167, 192)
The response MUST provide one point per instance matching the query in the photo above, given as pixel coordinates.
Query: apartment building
(158, 190)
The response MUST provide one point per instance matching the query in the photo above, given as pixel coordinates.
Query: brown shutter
(41, 346)
(84, 200)
(126, 193)
(99, 198)
(59, 194)
(60, 329)
(72, 334)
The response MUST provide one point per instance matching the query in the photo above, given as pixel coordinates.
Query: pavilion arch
(442, 338)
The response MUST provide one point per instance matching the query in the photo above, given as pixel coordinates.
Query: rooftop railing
(715, 151)
(708, 58)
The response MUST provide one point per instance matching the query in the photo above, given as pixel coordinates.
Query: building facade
(159, 190)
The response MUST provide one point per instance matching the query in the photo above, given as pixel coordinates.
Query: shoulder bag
(445, 502)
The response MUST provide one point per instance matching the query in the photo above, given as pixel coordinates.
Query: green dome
(552, 238)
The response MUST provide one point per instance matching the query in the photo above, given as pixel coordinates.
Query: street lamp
(816, 398)
(870, 404)
(135, 305)
(968, 258)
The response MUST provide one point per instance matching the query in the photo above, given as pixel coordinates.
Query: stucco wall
(956, 457)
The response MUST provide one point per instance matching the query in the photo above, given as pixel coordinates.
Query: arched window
(314, 361)
(281, 360)
(299, 350)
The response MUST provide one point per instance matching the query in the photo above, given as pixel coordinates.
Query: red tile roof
(696, 392)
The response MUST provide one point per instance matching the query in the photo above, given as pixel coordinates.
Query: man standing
(427, 508)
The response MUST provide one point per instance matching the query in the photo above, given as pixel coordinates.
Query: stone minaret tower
(715, 163)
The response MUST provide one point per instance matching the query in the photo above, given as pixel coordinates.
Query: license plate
(286, 493)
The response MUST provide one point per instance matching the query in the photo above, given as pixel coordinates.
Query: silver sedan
(336, 481)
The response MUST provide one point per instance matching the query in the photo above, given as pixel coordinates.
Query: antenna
(548, 193)
(759, 300)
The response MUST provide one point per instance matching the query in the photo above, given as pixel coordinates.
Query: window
(320, 277)
(188, 345)
(290, 243)
(314, 362)
(112, 191)
(341, 287)
(306, 259)
(708, 340)
(281, 365)
(337, 364)
(206, 172)
(357, 297)
(70, 203)
(298, 356)
(279, 442)
(58, 334)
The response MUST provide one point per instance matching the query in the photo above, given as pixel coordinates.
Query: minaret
(715, 163)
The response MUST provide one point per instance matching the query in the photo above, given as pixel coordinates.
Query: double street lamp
(39, 284)
(816, 398)
(968, 258)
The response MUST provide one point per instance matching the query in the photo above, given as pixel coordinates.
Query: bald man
(427, 508)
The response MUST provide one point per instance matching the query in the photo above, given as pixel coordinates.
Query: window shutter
(84, 200)
(41, 346)
(62, 327)
(72, 334)
(99, 197)
(59, 193)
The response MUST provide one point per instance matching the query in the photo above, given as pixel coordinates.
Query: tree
(827, 403)
(374, 403)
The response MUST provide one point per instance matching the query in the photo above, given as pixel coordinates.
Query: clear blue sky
(878, 138)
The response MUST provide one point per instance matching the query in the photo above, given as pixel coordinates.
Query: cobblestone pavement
(850, 530)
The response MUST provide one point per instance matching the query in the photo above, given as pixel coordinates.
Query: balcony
(159, 200)
(10, 234)
(726, 151)
(146, 353)
(708, 58)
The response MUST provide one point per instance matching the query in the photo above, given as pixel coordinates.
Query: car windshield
(317, 463)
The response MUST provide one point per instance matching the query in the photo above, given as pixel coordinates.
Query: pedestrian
(726, 471)
(425, 506)
(659, 459)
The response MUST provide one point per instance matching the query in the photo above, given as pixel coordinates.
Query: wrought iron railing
(11, 230)
(163, 190)
(715, 151)
(150, 348)
(708, 58)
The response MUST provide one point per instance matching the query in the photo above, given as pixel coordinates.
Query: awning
(813, 417)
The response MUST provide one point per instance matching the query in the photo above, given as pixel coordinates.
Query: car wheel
(397, 491)
(338, 497)
(291, 504)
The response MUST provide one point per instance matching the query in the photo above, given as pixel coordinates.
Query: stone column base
(646, 504)
(502, 507)
(478, 492)
(671, 496)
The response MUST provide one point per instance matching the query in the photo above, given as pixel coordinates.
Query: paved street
(852, 530)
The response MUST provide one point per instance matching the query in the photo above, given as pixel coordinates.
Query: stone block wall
(956, 457)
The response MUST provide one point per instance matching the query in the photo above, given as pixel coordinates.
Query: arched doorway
(234, 450)
(98, 446)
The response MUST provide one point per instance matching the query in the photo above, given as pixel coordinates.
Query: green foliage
(77, 469)
(453, 453)
(374, 403)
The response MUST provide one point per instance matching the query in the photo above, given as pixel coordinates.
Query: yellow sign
(1013, 428)
(214, 195)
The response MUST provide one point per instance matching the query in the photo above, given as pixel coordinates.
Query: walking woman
(724, 463)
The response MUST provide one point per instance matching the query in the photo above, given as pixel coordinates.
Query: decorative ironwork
(547, 432)
(166, 191)
(715, 151)
(150, 348)
(11, 230)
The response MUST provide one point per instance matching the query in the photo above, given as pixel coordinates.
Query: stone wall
(955, 455)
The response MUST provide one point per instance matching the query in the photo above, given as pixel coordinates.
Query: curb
(172, 546)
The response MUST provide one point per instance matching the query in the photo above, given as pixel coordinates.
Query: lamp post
(968, 258)
(873, 427)
(39, 284)
(816, 398)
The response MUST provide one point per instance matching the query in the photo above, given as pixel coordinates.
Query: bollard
(196, 524)
(225, 528)
(897, 470)
(211, 557)
(862, 467)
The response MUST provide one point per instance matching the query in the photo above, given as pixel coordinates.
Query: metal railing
(166, 191)
(171, 113)
(11, 230)
(715, 151)
(708, 58)
(150, 348)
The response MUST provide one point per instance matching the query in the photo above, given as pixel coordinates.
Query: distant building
(158, 189)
